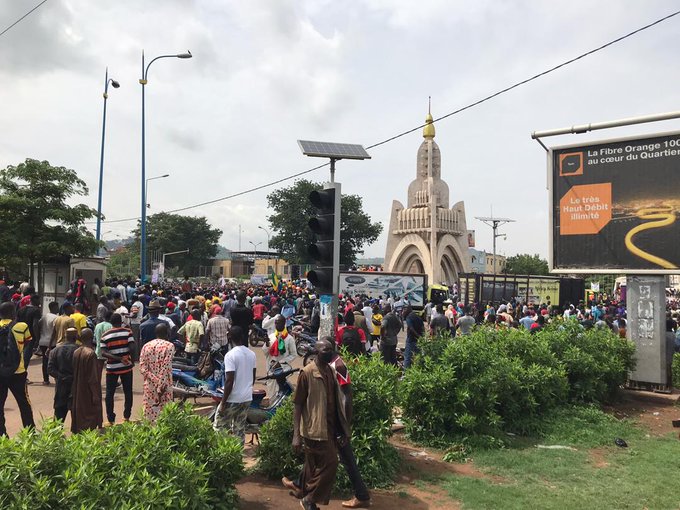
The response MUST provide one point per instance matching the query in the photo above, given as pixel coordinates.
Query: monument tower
(426, 236)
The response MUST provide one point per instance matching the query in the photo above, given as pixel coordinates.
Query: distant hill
(115, 244)
(376, 261)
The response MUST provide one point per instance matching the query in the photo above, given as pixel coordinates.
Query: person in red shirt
(348, 331)
(258, 311)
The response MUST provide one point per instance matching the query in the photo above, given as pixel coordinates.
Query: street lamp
(143, 81)
(266, 232)
(115, 85)
(152, 179)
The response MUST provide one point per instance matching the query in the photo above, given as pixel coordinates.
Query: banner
(615, 205)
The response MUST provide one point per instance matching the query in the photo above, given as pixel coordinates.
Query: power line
(409, 131)
(20, 19)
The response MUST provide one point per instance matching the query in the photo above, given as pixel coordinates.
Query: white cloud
(267, 73)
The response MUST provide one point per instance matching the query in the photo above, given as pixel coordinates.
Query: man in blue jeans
(415, 327)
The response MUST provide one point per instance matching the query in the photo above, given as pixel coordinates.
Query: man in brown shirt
(318, 422)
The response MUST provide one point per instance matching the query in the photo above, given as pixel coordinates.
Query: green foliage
(374, 386)
(275, 455)
(526, 264)
(168, 233)
(37, 221)
(506, 380)
(180, 463)
(675, 370)
(291, 212)
(597, 361)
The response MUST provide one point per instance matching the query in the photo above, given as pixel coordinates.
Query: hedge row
(179, 463)
(504, 380)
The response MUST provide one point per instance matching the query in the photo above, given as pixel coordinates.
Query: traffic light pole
(329, 302)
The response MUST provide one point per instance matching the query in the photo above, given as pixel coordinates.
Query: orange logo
(586, 209)
(571, 164)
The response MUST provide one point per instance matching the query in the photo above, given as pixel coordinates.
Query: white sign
(595, 286)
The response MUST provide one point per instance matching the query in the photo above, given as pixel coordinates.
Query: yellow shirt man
(21, 336)
(80, 321)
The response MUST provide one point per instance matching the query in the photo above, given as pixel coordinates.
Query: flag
(275, 281)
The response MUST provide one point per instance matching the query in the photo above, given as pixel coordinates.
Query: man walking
(12, 368)
(46, 327)
(155, 365)
(117, 345)
(415, 327)
(60, 366)
(147, 329)
(466, 322)
(319, 421)
(86, 411)
(239, 377)
(391, 326)
(362, 498)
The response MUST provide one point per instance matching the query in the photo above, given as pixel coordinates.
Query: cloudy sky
(266, 73)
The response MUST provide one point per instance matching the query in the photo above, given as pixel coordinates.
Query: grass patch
(635, 477)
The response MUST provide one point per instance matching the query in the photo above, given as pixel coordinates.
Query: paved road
(42, 397)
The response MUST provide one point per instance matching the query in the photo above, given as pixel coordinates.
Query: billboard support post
(646, 299)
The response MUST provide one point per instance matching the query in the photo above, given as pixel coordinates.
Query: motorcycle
(189, 382)
(258, 415)
(304, 340)
(257, 336)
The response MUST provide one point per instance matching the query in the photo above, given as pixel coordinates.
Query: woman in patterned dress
(155, 365)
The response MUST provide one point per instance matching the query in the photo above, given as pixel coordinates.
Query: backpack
(10, 357)
(350, 337)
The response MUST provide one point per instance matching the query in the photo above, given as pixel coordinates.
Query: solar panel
(333, 150)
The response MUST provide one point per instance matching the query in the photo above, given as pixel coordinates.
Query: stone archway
(451, 261)
(411, 253)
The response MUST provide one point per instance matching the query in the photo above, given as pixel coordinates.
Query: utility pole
(494, 223)
(239, 237)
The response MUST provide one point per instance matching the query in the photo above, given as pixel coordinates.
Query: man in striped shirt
(117, 347)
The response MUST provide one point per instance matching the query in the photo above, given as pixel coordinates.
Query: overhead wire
(409, 131)
(21, 19)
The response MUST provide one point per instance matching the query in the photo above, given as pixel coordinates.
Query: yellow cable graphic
(665, 216)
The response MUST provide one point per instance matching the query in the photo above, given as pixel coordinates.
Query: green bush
(675, 370)
(597, 361)
(374, 386)
(179, 463)
(481, 383)
(505, 380)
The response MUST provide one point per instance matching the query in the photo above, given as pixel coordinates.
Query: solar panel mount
(333, 150)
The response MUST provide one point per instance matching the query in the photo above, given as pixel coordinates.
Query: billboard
(614, 206)
(378, 284)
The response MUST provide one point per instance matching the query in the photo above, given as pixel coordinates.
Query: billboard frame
(551, 218)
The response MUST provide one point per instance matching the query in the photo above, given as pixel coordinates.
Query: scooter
(257, 414)
(304, 340)
(257, 336)
(186, 382)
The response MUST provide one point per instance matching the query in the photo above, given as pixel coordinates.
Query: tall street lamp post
(153, 179)
(143, 81)
(255, 245)
(266, 232)
(115, 85)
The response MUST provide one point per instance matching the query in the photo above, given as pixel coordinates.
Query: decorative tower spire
(428, 130)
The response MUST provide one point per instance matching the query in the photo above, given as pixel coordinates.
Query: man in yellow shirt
(16, 382)
(61, 324)
(79, 318)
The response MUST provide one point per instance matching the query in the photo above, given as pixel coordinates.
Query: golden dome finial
(428, 130)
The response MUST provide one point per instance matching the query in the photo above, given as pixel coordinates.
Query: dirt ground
(259, 493)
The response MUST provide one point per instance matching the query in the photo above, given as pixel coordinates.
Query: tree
(36, 223)
(292, 211)
(526, 264)
(166, 233)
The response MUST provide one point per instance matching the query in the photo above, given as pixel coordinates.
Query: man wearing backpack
(13, 336)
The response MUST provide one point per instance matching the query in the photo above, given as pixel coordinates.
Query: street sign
(614, 206)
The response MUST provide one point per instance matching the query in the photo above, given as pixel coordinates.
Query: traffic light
(326, 250)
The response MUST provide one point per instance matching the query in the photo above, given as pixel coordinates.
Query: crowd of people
(100, 331)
